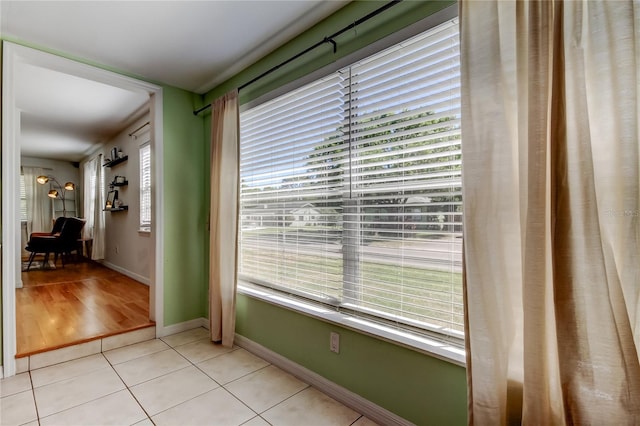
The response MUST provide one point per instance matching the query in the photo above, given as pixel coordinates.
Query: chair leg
(45, 261)
(31, 256)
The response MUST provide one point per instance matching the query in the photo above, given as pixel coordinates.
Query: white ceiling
(64, 116)
(194, 45)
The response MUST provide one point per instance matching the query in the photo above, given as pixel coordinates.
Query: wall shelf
(117, 209)
(125, 183)
(116, 161)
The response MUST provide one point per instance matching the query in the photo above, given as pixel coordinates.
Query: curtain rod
(138, 129)
(328, 39)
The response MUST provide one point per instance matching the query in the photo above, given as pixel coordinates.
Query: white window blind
(145, 187)
(351, 188)
(23, 199)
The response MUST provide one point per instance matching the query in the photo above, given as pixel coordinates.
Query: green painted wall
(417, 387)
(185, 211)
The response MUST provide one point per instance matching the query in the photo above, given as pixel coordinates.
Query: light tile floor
(181, 379)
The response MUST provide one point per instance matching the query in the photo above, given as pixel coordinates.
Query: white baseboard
(183, 326)
(126, 272)
(350, 399)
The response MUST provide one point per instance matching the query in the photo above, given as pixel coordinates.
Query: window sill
(144, 232)
(432, 347)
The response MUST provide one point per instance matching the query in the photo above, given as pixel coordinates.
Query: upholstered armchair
(57, 227)
(59, 243)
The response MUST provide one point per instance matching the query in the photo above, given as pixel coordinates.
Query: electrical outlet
(334, 342)
(117, 249)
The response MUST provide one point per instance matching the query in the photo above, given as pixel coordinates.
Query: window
(351, 189)
(145, 187)
(23, 199)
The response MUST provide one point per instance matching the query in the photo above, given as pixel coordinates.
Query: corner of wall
(185, 209)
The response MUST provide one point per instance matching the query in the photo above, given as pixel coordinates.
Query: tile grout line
(220, 384)
(356, 420)
(290, 396)
(224, 386)
(190, 399)
(33, 393)
(73, 378)
(137, 357)
(33, 387)
(56, 381)
(258, 416)
(238, 399)
(241, 377)
(109, 365)
(146, 381)
(128, 390)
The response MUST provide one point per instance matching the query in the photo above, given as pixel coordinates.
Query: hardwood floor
(78, 303)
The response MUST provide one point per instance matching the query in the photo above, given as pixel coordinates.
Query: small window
(23, 199)
(145, 187)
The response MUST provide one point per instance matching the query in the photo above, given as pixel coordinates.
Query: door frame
(13, 56)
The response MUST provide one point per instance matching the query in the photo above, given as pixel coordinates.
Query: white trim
(182, 326)
(132, 275)
(11, 268)
(156, 293)
(1, 372)
(350, 399)
(13, 55)
(431, 347)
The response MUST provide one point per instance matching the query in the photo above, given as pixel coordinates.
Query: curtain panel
(551, 211)
(38, 204)
(93, 205)
(223, 241)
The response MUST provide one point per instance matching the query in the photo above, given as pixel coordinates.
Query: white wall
(126, 249)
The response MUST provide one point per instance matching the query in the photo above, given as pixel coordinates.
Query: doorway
(14, 57)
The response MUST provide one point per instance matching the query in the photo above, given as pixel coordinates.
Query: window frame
(440, 348)
(145, 193)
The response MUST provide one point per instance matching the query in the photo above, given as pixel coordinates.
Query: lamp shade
(53, 193)
(42, 179)
(70, 186)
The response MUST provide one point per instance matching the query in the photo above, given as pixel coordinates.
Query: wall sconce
(57, 193)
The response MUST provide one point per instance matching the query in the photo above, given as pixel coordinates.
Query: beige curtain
(93, 205)
(224, 223)
(551, 191)
(38, 203)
